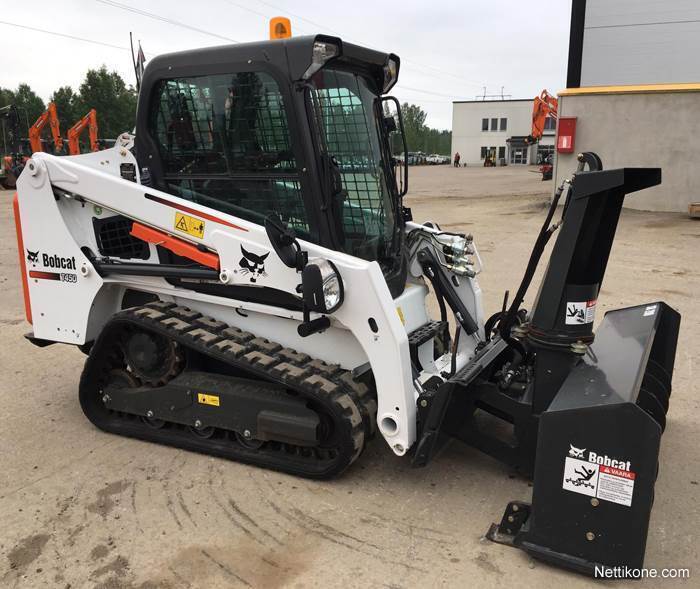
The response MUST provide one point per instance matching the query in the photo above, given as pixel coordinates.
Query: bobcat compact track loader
(248, 284)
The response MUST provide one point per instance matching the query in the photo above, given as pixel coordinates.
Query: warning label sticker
(580, 476)
(190, 225)
(206, 399)
(588, 477)
(579, 313)
(615, 485)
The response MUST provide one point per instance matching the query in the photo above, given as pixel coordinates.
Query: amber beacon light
(280, 27)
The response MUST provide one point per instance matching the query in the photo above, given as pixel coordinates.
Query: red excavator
(50, 116)
(89, 121)
(545, 106)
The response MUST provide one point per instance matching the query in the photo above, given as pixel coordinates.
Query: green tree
(25, 98)
(7, 96)
(67, 103)
(114, 101)
(414, 124)
(419, 137)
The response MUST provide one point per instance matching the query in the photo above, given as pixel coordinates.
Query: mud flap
(598, 448)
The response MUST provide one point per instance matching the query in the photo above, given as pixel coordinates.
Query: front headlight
(322, 286)
(331, 291)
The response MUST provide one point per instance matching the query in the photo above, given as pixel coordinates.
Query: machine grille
(115, 240)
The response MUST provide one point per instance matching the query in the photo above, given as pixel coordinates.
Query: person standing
(456, 160)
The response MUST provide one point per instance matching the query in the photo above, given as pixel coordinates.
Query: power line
(164, 19)
(402, 87)
(75, 38)
(174, 22)
(322, 27)
(306, 20)
(423, 101)
(265, 16)
(71, 37)
(246, 8)
(444, 73)
(645, 24)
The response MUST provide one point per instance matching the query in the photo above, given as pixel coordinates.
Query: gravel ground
(81, 508)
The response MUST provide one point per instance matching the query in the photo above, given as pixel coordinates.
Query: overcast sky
(449, 49)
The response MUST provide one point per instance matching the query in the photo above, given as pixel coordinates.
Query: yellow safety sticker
(400, 312)
(205, 399)
(190, 225)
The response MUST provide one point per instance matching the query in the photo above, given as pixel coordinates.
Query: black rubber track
(330, 390)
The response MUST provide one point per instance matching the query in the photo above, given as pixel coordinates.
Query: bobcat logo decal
(576, 452)
(32, 257)
(253, 264)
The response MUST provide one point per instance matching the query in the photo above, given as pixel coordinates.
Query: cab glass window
(345, 107)
(224, 142)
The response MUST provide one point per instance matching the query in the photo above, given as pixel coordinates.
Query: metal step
(424, 334)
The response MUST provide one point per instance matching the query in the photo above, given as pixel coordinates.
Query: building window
(484, 124)
(494, 124)
(484, 151)
(550, 124)
(504, 124)
(502, 150)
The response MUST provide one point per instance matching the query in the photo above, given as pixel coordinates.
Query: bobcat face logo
(32, 257)
(576, 452)
(253, 264)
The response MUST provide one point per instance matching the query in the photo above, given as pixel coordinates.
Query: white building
(499, 128)
(633, 84)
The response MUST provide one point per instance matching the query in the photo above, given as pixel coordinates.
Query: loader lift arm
(545, 105)
(50, 116)
(89, 121)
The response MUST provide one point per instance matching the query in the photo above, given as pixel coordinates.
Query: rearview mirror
(396, 138)
(284, 242)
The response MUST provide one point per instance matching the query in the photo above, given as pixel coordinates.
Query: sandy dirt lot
(81, 508)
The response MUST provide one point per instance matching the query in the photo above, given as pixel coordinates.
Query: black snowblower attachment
(580, 412)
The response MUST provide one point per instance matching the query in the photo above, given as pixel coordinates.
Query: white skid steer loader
(247, 283)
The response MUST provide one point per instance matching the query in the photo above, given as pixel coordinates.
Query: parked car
(437, 159)
(416, 158)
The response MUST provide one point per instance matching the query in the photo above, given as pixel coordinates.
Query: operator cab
(296, 127)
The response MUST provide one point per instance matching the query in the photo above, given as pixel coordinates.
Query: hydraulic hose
(506, 323)
(440, 299)
(455, 345)
(491, 322)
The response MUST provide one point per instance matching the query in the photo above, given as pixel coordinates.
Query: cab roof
(291, 57)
